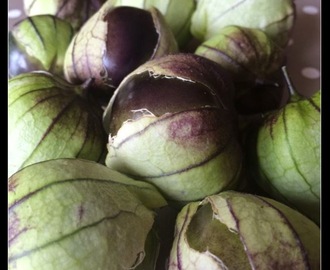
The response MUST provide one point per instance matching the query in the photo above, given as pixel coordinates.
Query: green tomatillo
(275, 17)
(171, 122)
(80, 215)
(241, 231)
(51, 118)
(284, 153)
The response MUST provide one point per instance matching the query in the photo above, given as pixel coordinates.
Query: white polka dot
(14, 13)
(312, 10)
(310, 73)
(290, 42)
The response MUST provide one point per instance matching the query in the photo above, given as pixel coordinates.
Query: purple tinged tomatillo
(254, 61)
(176, 13)
(171, 122)
(115, 41)
(234, 230)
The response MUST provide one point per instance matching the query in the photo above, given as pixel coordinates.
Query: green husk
(275, 17)
(39, 43)
(50, 118)
(286, 161)
(78, 214)
(248, 53)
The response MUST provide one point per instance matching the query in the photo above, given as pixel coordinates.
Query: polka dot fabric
(303, 55)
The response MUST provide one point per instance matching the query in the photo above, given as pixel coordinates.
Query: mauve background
(303, 65)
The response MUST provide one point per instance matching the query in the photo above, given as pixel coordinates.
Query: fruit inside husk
(118, 40)
(172, 123)
(261, 232)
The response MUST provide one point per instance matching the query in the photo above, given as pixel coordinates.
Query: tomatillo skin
(235, 230)
(115, 41)
(75, 214)
(50, 118)
(172, 123)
